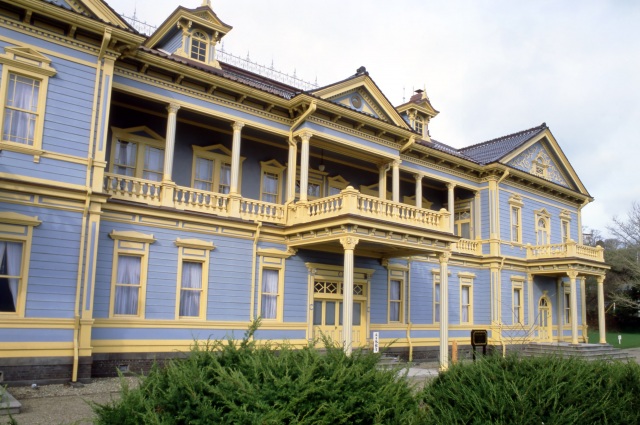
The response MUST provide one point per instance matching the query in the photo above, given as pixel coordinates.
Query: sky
(491, 67)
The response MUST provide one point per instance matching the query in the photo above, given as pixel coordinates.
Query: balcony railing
(565, 250)
(468, 246)
(347, 202)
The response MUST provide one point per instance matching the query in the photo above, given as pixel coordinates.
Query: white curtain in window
(269, 293)
(394, 305)
(465, 304)
(225, 178)
(19, 123)
(191, 286)
(11, 252)
(125, 158)
(270, 187)
(127, 285)
(153, 164)
(204, 171)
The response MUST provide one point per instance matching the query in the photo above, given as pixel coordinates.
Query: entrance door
(545, 331)
(327, 321)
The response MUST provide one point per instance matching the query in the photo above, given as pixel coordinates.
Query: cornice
(360, 134)
(437, 167)
(202, 95)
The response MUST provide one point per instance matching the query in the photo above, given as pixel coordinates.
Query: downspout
(411, 142)
(409, 310)
(253, 270)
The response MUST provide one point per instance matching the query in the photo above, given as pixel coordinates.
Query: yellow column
(396, 181)
(102, 103)
(530, 299)
(349, 244)
(601, 321)
(451, 202)
(170, 141)
(583, 308)
(382, 181)
(494, 226)
(444, 311)
(418, 190)
(573, 307)
(291, 170)
(235, 157)
(304, 166)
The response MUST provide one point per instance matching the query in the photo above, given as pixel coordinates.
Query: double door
(327, 321)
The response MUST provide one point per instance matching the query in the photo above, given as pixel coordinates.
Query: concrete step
(586, 351)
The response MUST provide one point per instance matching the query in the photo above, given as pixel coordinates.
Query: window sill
(21, 148)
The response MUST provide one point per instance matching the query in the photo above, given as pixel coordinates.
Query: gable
(539, 161)
(360, 100)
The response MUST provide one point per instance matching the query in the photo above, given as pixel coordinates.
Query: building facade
(153, 195)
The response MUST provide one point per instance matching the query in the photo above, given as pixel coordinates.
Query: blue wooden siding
(47, 169)
(25, 39)
(296, 291)
(485, 224)
(53, 270)
(173, 43)
(422, 292)
(35, 335)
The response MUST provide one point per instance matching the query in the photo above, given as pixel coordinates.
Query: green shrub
(229, 383)
(548, 390)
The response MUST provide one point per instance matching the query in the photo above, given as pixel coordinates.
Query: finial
(206, 3)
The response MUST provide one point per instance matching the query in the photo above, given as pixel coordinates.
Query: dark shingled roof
(493, 150)
(439, 146)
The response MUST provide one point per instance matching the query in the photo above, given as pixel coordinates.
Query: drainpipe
(409, 310)
(253, 270)
(411, 142)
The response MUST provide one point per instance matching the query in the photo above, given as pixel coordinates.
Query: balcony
(468, 246)
(348, 202)
(569, 249)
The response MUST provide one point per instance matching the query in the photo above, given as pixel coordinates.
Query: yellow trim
(133, 244)
(277, 169)
(338, 182)
(207, 152)
(36, 349)
(193, 251)
(517, 283)
(435, 274)
(277, 264)
(542, 214)
(142, 143)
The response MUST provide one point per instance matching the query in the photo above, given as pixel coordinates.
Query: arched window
(199, 42)
(543, 232)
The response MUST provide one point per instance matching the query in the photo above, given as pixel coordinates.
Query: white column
(560, 307)
(532, 317)
(382, 181)
(583, 308)
(444, 311)
(477, 229)
(304, 166)
(451, 202)
(396, 181)
(349, 245)
(601, 321)
(170, 142)
(235, 157)
(418, 190)
(573, 307)
(291, 170)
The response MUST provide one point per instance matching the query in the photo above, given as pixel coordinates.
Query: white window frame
(18, 228)
(133, 244)
(220, 155)
(142, 143)
(193, 251)
(515, 226)
(25, 62)
(272, 259)
(203, 44)
(517, 292)
(543, 216)
(466, 281)
(397, 273)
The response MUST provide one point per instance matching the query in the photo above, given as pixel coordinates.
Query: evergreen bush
(545, 390)
(225, 382)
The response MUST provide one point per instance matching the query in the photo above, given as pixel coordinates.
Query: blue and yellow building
(153, 195)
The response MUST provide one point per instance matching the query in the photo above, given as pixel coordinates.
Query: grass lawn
(629, 340)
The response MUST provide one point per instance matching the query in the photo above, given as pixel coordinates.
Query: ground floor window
(10, 275)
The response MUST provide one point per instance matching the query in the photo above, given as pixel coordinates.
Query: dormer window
(419, 125)
(199, 43)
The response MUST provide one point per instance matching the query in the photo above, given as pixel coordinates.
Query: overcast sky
(491, 67)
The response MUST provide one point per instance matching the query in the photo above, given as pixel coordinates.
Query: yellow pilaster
(349, 244)
(444, 310)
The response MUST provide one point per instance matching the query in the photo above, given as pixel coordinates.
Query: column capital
(172, 108)
(600, 279)
(572, 275)
(349, 242)
(418, 177)
(451, 186)
(444, 257)
(396, 162)
(305, 136)
(237, 126)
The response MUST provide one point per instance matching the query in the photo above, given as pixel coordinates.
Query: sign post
(479, 337)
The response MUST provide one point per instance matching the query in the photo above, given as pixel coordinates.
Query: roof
(493, 150)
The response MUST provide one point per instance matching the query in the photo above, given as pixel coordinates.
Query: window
(23, 94)
(565, 226)
(542, 228)
(515, 217)
(395, 300)
(129, 275)
(436, 298)
(567, 306)
(336, 185)
(315, 184)
(199, 44)
(462, 223)
(271, 181)
(136, 156)
(193, 272)
(419, 125)
(466, 297)
(517, 300)
(212, 169)
(269, 302)
(271, 278)
(16, 233)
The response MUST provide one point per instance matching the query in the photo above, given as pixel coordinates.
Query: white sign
(376, 342)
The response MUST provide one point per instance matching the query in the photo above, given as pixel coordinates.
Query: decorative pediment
(141, 133)
(360, 93)
(221, 149)
(537, 160)
(28, 59)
